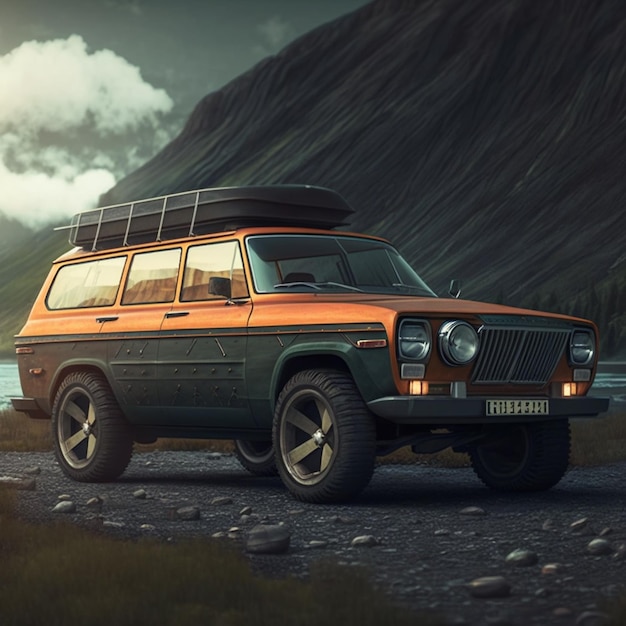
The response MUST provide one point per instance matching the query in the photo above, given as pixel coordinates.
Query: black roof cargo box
(205, 211)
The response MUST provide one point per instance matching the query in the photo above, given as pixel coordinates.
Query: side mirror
(455, 288)
(219, 286)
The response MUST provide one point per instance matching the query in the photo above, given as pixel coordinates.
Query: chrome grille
(525, 356)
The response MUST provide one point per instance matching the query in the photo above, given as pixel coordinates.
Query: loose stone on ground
(408, 531)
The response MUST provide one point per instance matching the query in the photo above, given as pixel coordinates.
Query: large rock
(489, 587)
(522, 558)
(268, 539)
(18, 482)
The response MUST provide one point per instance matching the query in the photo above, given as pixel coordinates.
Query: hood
(354, 307)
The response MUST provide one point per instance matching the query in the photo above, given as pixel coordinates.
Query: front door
(202, 344)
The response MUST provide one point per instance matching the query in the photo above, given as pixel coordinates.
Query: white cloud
(59, 103)
(58, 85)
(36, 198)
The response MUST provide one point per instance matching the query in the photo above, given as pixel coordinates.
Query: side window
(214, 271)
(152, 277)
(88, 284)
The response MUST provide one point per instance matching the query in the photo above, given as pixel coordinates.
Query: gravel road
(429, 544)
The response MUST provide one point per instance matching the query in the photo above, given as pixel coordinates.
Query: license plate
(517, 407)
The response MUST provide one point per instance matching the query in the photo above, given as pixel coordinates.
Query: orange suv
(244, 313)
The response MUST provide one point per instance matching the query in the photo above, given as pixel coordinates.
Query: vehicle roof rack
(207, 211)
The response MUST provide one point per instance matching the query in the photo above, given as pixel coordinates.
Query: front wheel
(523, 457)
(256, 456)
(324, 437)
(92, 440)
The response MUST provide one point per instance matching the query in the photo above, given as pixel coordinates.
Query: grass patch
(616, 610)
(19, 433)
(61, 574)
(599, 441)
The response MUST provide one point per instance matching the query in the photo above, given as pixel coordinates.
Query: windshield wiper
(342, 285)
(317, 286)
(297, 284)
(417, 288)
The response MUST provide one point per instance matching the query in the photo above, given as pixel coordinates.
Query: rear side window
(88, 284)
(152, 277)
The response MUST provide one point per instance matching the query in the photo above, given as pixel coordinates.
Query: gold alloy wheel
(77, 428)
(308, 437)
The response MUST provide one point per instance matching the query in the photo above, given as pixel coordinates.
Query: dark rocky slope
(486, 139)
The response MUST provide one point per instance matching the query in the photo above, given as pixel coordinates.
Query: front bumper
(438, 411)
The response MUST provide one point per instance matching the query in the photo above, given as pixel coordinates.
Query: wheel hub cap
(319, 438)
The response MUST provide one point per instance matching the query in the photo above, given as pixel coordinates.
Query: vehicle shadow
(460, 487)
(408, 486)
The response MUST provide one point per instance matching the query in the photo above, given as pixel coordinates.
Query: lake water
(610, 380)
(9, 383)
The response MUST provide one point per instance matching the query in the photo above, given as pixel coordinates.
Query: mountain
(485, 139)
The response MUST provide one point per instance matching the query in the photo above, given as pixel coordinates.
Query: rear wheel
(324, 437)
(92, 440)
(256, 456)
(523, 457)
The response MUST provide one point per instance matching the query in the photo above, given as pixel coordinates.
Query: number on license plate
(517, 407)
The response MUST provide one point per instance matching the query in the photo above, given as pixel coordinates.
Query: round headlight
(458, 342)
(582, 347)
(414, 341)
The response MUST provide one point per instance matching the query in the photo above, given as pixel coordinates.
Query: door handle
(107, 318)
(176, 313)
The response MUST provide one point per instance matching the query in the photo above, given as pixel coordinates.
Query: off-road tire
(523, 457)
(324, 437)
(92, 440)
(256, 456)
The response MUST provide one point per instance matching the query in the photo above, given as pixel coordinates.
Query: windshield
(326, 263)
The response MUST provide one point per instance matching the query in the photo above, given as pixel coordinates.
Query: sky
(91, 89)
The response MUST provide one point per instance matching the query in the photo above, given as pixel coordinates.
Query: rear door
(133, 329)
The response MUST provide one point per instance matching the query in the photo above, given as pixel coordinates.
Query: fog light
(582, 376)
(418, 387)
(569, 389)
(412, 370)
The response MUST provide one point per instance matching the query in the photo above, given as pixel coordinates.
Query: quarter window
(152, 277)
(214, 271)
(89, 284)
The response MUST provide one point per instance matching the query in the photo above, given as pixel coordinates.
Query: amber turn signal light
(569, 389)
(418, 387)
